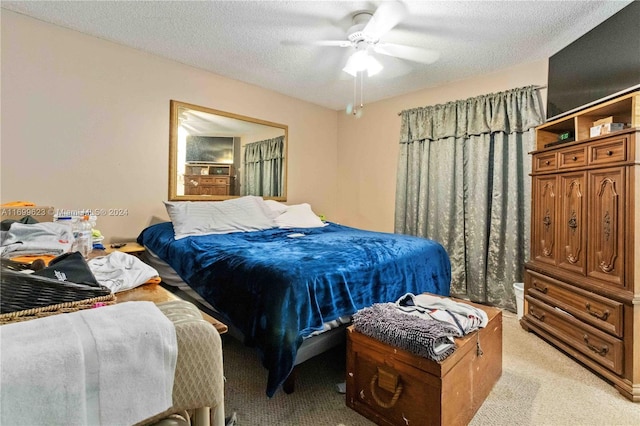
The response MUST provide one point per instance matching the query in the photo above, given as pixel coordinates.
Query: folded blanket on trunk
(428, 338)
(466, 317)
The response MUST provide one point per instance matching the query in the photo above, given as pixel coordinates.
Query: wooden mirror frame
(175, 108)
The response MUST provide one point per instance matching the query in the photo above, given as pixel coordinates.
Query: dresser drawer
(591, 308)
(545, 162)
(573, 157)
(610, 151)
(206, 180)
(597, 345)
(214, 180)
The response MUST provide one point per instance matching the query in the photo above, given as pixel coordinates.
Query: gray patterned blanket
(428, 338)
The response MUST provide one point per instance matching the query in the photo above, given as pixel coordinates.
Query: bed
(278, 286)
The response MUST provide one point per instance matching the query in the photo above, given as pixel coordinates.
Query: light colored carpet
(539, 386)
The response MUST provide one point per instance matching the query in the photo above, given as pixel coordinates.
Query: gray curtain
(463, 180)
(263, 167)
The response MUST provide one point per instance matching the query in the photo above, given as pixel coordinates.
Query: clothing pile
(27, 240)
(32, 239)
(120, 271)
(425, 325)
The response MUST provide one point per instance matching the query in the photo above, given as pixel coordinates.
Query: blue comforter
(278, 288)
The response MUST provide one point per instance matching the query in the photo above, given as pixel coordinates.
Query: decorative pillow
(299, 216)
(242, 214)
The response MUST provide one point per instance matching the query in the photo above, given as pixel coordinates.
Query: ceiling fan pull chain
(361, 90)
(354, 108)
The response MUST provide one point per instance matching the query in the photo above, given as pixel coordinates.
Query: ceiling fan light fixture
(356, 63)
(373, 66)
(362, 61)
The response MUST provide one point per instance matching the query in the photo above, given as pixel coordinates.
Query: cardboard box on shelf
(604, 120)
(604, 129)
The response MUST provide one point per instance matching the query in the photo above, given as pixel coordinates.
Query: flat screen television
(603, 63)
(209, 149)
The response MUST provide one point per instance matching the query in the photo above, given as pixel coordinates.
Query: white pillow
(242, 214)
(276, 207)
(299, 216)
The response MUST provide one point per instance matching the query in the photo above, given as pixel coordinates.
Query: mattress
(172, 280)
(278, 286)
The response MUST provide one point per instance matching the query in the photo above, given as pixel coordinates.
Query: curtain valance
(512, 111)
(266, 150)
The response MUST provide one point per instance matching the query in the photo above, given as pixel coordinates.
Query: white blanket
(112, 365)
(464, 316)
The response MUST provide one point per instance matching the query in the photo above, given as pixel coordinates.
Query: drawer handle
(600, 351)
(574, 158)
(538, 316)
(547, 162)
(379, 401)
(543, 290)
(609, 153)
(600, 315)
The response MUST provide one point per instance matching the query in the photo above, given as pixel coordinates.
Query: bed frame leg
(290, 383)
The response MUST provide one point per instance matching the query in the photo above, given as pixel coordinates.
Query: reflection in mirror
(216, 155)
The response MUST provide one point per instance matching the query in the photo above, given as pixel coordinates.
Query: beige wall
(368, 147)
(85, 124)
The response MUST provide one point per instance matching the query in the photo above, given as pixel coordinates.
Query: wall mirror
(216, 155)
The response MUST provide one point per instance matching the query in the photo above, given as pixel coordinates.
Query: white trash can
(518, 289)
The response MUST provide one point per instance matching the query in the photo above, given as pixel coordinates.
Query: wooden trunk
(391, 386)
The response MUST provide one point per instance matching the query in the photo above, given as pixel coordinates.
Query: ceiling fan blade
(336, 43)
(387, 16)
(410, 53)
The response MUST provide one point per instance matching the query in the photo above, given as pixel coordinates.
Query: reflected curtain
(463, 180)
(263, 167)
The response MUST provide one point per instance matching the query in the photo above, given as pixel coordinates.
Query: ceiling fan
(365, 34)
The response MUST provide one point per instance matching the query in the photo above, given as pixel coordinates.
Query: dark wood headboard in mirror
(217, 155)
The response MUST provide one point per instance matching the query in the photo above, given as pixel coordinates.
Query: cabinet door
(207, 190)
(220, 190)
(605, 259)
(571, 223)
(543, 221)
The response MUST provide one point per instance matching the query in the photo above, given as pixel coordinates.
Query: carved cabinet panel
(543, 227)
(571, 222)
(606, 225)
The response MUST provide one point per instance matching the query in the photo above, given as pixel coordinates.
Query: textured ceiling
(259, 42)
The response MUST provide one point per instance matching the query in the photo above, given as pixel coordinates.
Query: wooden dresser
(582, 283)
(209, 179)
